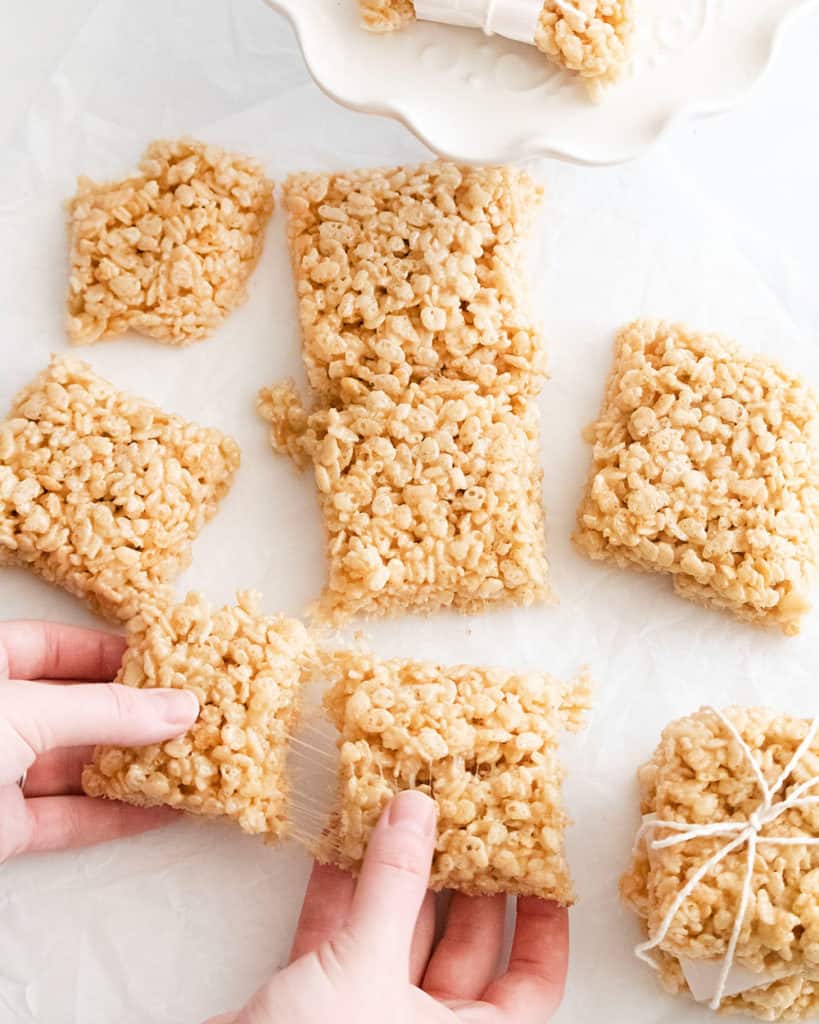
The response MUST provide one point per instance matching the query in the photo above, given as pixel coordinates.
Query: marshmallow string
(738, 833)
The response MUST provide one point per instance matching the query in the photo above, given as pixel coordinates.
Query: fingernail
(177, 707)
(414, 812)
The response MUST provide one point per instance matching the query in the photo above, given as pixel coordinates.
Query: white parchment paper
(172, 927)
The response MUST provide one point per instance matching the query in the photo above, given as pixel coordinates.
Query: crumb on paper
(406, 273)
(246, 670)
(706, 466)
(698, 774)
(103, 493)
(166, 253)
(431, 500)
(481, 742)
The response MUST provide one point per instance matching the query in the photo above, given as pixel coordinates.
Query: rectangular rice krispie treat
(482, 743)
(103, 493)
(168, 252)
(591, 37)
(431, 500)
(700, 775)
(406, 273)
(706, 466)
(246, 670)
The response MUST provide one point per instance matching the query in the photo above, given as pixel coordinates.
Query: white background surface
(718, 226)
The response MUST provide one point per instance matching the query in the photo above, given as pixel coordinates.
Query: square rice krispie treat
(246, 670)
(701, 780)
(103, 493)
(482, 743)
(431, 500)
(166, 253)
(406, 273)
(591, 37)
(706, 465)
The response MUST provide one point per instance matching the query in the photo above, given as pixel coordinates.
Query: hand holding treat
(46, 726)
(364, 951)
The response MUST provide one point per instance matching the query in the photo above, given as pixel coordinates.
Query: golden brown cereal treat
(246, 670)
(706, 465)
(168, 252)
(407, 273)
(481, 742)
(103, 493)
(430, 501)
(591, 37)
(699, 774)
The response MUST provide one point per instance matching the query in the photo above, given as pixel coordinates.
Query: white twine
(742, 832)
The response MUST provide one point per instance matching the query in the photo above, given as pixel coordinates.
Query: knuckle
(407, 858)
(123, 701)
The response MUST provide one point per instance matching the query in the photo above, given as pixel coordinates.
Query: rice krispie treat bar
(166, 253)
(103, 493)
(706, 466)
(406, 273)
(591, 37)
(431, 500)
(700, 775)
(481, 742)
(246, 670)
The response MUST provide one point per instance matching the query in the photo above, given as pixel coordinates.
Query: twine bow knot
(737, 833)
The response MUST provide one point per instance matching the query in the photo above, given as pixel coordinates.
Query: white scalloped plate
(480, 99)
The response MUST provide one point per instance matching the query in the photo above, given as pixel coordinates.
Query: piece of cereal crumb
(483, 743)
(590, 37)
(246, 670)
(168, 252)
(706, 466)
(102, 493)
(409, 272)
(431, 499)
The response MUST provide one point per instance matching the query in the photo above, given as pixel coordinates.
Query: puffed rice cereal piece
(591, 37)
(166, 253)
(482, 743)
(706, 466)
(698, 774)
(246, 670)
(431, 500)
(406, 273)
(102, 493)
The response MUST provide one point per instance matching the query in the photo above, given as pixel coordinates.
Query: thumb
(394, 878)
(46, 715)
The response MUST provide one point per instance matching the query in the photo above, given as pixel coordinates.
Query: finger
(58, 772)
(48, 650)
(394, 878)
(422, 939)
(326, 909)
(65, 822)
(466, 958)
(224, 1018)
(533, 986)
(46, 716)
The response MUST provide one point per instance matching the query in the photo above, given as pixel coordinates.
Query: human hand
(363, 952)
(46, 729)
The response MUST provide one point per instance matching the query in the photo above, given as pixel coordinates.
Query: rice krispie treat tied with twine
(591, 37)
(726, 864)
